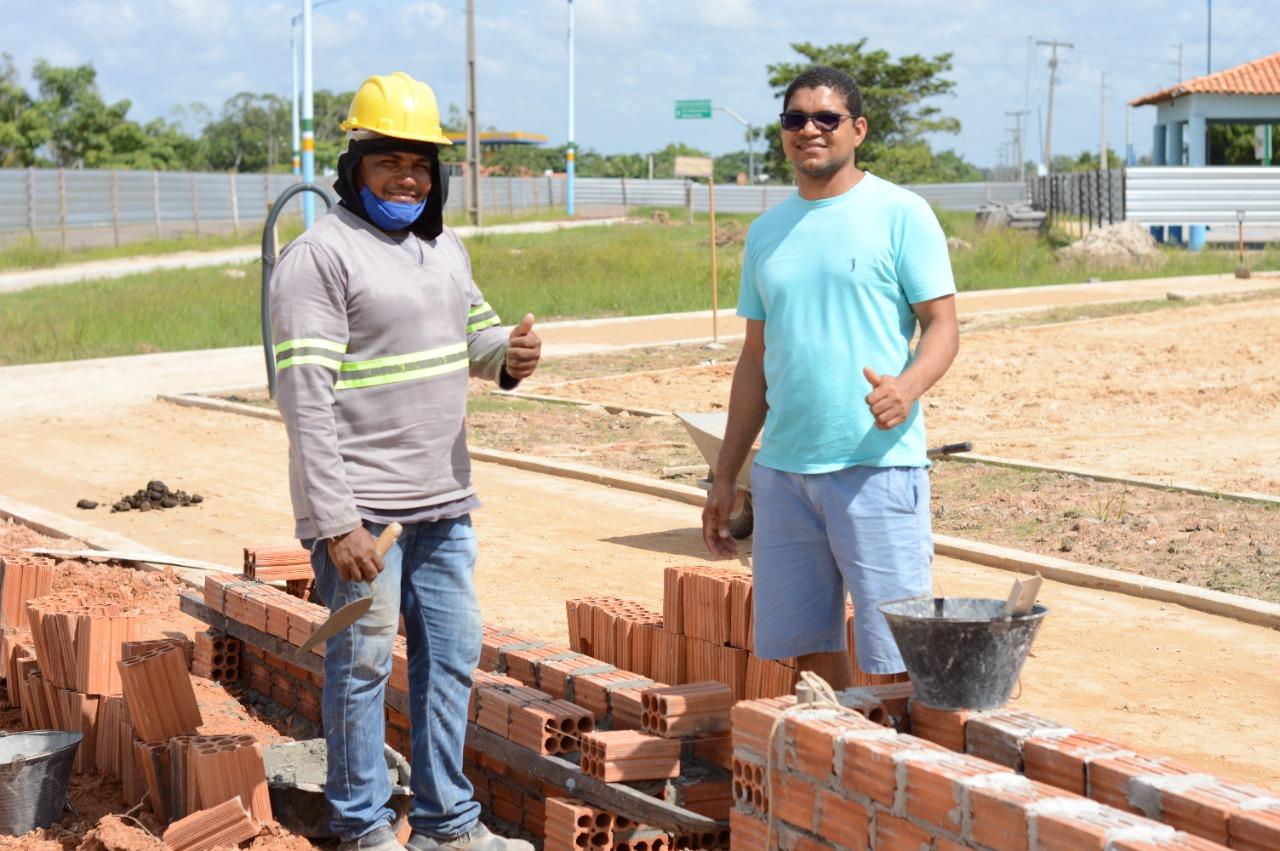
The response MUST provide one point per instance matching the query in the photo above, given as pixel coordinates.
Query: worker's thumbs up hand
(889, 404)
(524, 349)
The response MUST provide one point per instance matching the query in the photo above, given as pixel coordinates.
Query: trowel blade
(337, 622)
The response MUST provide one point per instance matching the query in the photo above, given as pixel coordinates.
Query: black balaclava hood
(428, 225)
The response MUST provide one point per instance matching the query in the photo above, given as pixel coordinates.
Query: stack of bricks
(76, 647)
(705, 632)
(1001, 779)
(184, 774)
(289, 564)
(614, 629)
(15, 646)
(22, 578)
(216, 656)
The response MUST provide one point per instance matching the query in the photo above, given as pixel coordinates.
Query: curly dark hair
(834, 79)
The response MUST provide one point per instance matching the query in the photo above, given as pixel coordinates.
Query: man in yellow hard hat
(379, 324)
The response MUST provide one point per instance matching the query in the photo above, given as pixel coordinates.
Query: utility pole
(1017, 116)
(1129, 158)
(1180, 75)
(1102, 119)
(473, 131)
(308, 120)
(570, 153)
(1053, 80)
(1026, 108)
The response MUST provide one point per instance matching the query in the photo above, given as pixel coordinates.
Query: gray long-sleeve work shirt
(375, 338)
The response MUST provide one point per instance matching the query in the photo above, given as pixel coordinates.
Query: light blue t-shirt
(834, 281)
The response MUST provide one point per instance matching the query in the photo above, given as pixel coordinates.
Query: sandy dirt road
(1187, 395)
(1163, 678)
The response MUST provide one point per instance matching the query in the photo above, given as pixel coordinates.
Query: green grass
(615, 271)
(1009, 258)
(596, 271)
(163, 311)
(622, 270)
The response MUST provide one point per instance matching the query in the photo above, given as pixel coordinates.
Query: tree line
(63, 121)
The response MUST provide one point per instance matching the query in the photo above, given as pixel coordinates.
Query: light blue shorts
(863, 531)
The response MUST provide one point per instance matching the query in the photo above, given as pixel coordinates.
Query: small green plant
(1113, 508)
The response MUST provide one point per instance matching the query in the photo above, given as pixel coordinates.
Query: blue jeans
(428, 576)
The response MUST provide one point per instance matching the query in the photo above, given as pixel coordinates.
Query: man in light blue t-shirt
(834, 282)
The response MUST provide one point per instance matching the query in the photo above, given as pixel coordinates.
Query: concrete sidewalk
(49, 389)
(74, 273)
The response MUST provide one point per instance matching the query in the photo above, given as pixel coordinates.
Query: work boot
(379, 839)
(477, 839)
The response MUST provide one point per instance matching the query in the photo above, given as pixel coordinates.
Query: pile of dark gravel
(156, 495)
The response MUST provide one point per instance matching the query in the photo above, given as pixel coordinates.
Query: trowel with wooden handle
(1022, 596)
(353, 611)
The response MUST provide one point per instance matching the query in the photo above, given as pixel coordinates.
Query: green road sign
(693, 108)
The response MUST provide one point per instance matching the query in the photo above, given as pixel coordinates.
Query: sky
(634, 58)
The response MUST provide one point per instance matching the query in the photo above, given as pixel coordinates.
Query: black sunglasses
(826, 121)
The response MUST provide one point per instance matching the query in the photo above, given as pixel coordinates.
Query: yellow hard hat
(398, 106)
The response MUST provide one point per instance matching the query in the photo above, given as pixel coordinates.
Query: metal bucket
(295, 779)
(34, 771)
(960, 652)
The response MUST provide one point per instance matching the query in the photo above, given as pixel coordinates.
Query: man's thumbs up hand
(887, 401)
(524, 349)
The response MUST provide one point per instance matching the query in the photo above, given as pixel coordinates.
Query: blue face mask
(390, 215)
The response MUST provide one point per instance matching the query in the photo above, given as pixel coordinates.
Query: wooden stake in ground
(715, 293)
(705, 167)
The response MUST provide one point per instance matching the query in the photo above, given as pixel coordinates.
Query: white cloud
(426, 13)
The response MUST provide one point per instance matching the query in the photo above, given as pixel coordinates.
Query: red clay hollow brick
(998, 735)
(1121, 781)
(1063, 761)
(898, 834)
(940, 726)
(1255, 826)
(844, 822)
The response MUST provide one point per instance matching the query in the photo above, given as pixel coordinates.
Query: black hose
(269, 265)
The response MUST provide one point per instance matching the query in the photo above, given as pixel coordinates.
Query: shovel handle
(388, 538)
(949, 449)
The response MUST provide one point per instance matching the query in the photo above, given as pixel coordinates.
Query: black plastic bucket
(960, 652)
(34, 770)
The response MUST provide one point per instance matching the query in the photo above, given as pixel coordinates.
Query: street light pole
(570, 152)
(295, 127)
(751, 148)
(473, 129)
(308, 119)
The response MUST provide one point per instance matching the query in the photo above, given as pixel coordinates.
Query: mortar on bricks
(962, 652)
(296, 774)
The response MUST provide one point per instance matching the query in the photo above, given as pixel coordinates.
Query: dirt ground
(1182, 395)
(1161, 677)
(1120, 393)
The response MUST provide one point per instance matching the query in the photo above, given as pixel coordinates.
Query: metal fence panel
(1209, 195)
(92, 206)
